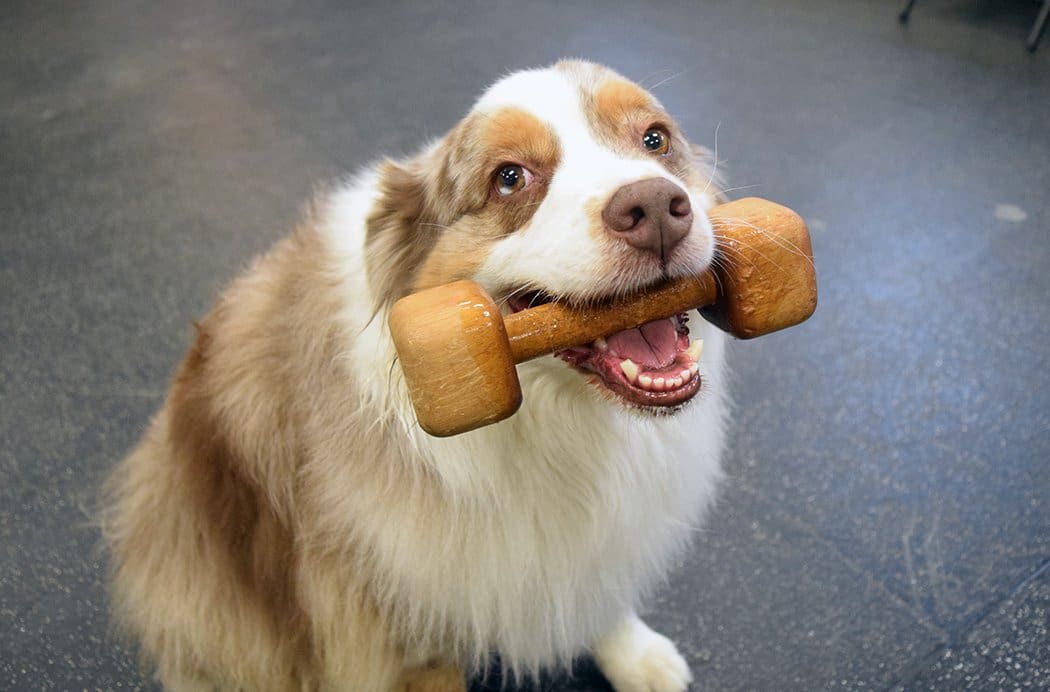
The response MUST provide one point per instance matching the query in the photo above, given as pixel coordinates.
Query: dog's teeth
(601, 344)
(659, 383)
(685, 375)
(695, 349)
(645, 381)
(694, 369)
(629, 369)
(674, 383)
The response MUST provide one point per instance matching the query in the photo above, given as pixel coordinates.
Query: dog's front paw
(634, 658)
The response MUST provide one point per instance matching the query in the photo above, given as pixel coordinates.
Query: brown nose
(652, 215)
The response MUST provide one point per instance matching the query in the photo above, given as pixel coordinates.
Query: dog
(285, 524)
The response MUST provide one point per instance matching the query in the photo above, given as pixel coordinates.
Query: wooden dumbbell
(458, 351)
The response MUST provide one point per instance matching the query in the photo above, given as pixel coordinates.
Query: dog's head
(568, 183)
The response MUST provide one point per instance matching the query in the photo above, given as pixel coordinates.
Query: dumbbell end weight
(766, 276)
(457, 363)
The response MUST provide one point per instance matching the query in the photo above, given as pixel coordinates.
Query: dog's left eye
(512, 178)
(657, 141)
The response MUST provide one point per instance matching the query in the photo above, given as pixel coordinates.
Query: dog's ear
(419, 199)
(399, 231)
(706, 166)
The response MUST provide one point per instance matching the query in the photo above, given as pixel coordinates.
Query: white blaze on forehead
(544, 93)
(554, 97)
(558, 249)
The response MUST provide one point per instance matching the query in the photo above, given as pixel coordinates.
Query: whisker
(759, 230)
(504, 301)
(674, 75)
(718, 263)
(714, 166)
(741, 187)
(651, 75)
(726, 249)
(739, 255)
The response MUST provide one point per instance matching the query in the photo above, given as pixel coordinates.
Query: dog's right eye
(511, 178)
(657, 141)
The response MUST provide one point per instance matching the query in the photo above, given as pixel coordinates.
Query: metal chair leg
(906, 12)
(1037, 28)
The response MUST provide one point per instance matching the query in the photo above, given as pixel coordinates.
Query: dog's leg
(435, 679)
(636, 659)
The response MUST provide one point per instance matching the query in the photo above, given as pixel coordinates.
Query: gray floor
(886, 523)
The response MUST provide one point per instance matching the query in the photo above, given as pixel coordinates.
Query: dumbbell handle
(556, 326)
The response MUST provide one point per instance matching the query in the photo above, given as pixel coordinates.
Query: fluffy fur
(284, 524)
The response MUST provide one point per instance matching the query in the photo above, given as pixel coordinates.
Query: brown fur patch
(438, 214)
(454, 258)
(244, 524)
(619, 112)
(616, 98)
(204, 518)
(512, 134)
(400, 232)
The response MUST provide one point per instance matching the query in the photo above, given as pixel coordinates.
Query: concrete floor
(886, 523)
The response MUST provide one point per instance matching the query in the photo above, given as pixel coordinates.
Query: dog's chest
(563, 533)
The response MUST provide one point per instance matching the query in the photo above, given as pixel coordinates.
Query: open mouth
(652, 365)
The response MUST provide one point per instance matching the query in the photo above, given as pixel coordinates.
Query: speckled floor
(886, 523)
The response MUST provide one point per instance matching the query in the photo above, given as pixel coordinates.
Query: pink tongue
(652, 345)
